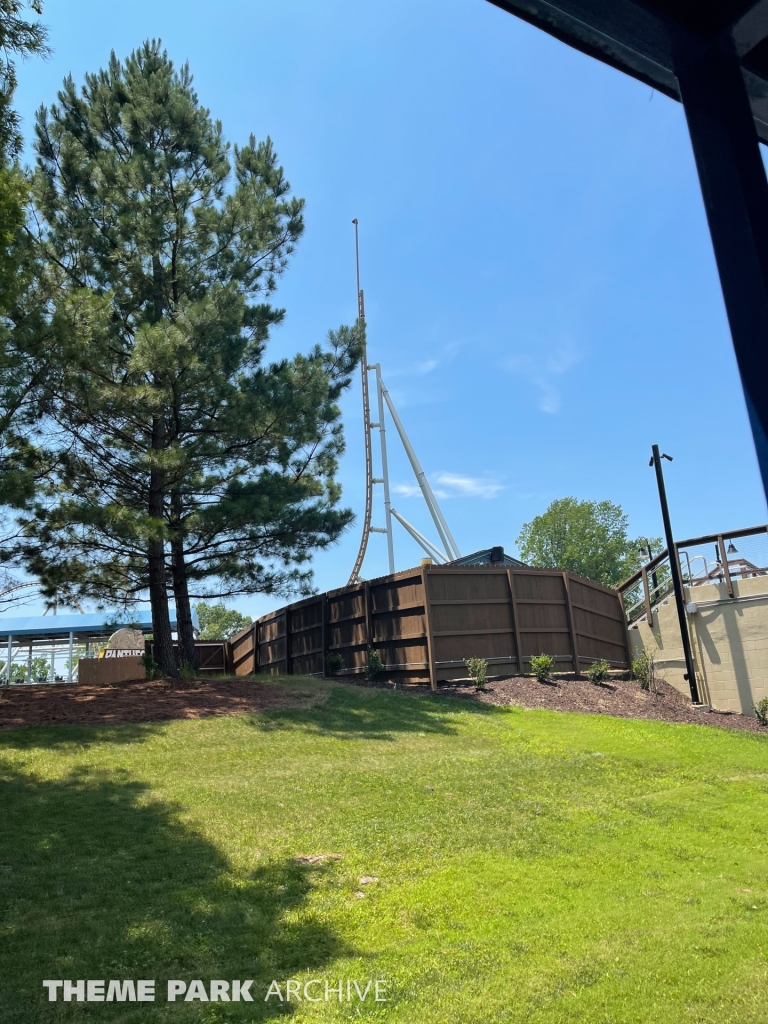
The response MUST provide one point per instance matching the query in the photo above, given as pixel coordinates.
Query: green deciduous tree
(586, 537)
(218, 622)
(181, 455)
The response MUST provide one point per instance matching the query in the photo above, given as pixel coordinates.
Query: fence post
(571, 625)
(368, 631)
(647, 593)
(724, 563)
(323, 634)
(428, 630)
(287, 628)
(515, 625)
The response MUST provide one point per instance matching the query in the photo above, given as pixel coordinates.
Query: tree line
(148, 447)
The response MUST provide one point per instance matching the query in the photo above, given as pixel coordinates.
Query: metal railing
(652, 584)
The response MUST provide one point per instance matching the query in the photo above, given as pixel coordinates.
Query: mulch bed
(622, 698)
(156, 701)
(161, 700)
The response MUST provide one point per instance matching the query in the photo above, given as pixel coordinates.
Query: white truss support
(384, 479)
(420, 539)
(439, 519)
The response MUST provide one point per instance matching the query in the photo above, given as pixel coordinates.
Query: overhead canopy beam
(720, 74)
(750, 29)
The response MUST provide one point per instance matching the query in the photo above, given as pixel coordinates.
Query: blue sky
(540, 285)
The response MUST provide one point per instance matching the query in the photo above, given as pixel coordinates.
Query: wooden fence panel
(305, 637)
(271, 653)
(242, 651)
(599, 619)
(426, 621)
(470, 616)
(398, 626)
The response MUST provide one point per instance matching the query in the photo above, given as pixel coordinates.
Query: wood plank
(571, 627)
(515, 621)
(324, 632)
(429, 634)
(539, 600)
(402, 608)
(601, 639)
(472, 600)
(367, 608)
(484, 632)
(595, 611)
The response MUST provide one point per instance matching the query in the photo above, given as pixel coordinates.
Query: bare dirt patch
(156, 701)
(622, 698)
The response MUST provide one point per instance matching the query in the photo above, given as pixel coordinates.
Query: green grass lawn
(531, 866)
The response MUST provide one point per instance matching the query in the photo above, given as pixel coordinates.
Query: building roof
(649, 38)
(487, 556)
(56, 627)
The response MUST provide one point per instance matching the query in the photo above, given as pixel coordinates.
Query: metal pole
(385, 469)
(71, 653)
(674, 566)
(421, 478)
(733, 185)
(10, 656)
(29, 664)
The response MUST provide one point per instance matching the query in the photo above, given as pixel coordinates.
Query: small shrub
(334, 663)
(542, 667)
(187, 672)
(478, 671)
(644, 669)
(150, 666)
(761, 711)
(598, 671)
(373, 664)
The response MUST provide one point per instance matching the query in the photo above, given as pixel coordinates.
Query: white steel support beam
(384, 467)
(421, 478)
(420, 539)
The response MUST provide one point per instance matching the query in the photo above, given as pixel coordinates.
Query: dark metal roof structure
(488, 556)
(712, 56)
(650, 39)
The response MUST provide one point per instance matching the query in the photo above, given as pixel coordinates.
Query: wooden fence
(424, 622)
(213, 656)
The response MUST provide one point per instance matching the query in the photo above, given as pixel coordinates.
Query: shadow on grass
(352, 712)
(76, 736)
(100, 882)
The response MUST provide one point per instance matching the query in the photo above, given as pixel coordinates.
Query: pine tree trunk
(161, 619)
(158, 591)
(184, 626)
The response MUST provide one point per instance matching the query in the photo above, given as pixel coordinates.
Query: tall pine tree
(181, 455)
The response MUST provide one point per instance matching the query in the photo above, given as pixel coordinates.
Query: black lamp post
(674, 566)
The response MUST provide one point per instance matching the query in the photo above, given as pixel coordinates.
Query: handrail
(689, 543)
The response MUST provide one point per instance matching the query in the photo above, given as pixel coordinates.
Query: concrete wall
(729, 637)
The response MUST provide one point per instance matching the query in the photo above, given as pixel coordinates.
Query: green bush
(334, 663)
(761, 711)
(644, 669)
(478, 671)
(598, 671)
(542, 667)
(373, 664)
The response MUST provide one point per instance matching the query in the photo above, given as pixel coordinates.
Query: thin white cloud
(543, 374)
(406, 490)
(453, 485)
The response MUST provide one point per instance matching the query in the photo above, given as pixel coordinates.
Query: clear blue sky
(540, 285)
